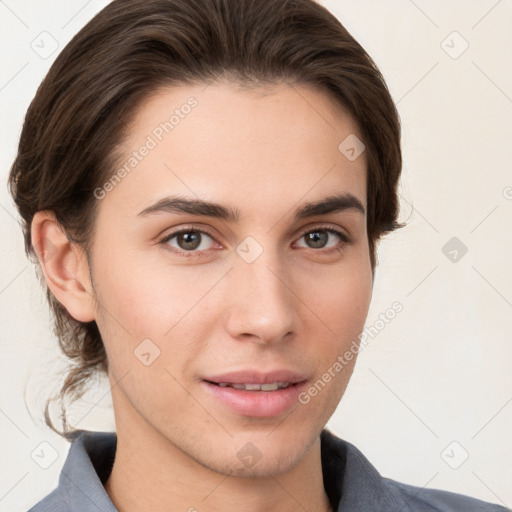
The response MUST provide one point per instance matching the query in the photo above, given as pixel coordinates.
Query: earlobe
(64, 265)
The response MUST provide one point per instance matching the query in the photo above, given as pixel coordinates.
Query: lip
(256, 404)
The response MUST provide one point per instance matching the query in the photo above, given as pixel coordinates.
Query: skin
(265, 151)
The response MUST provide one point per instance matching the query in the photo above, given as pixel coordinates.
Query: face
(194, 301)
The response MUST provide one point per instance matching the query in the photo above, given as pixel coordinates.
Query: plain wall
(433, 386)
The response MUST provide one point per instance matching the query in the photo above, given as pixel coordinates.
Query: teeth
(250, 387)
(273, 386)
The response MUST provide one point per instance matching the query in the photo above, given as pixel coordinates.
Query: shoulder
(355, 485)
(419, 499)
(53, 502)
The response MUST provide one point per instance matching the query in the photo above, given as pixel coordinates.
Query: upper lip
(258, 377)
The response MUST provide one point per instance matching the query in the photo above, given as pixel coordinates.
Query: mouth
(257, 395)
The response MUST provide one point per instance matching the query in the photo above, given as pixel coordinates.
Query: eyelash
(191, 254)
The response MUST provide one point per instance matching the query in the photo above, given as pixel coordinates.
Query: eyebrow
(181, 205)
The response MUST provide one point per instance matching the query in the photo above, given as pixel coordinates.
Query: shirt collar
(351, 482)
(87, 467)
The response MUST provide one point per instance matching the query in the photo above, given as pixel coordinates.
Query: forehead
(253, 145)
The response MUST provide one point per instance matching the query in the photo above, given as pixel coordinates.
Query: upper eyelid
(187, 230)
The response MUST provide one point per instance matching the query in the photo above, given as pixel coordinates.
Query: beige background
(434, 386)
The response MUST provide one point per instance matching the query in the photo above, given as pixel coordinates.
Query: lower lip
(258, 404)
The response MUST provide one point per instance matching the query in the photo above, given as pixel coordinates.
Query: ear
(64, 265)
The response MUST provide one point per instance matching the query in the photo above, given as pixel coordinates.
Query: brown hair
(132, 48)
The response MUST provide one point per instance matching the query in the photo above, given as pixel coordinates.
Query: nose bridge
(262, 303)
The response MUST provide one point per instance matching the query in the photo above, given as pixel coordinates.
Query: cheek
(149, 298)
(140, 299)
(340, 304)
(342, 307)
(340, 297)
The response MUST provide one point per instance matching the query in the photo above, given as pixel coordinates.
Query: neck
(151, 473)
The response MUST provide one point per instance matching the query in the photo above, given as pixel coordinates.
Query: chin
(273, 465)
(264, 456)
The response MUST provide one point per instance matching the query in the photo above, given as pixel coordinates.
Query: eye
(318, 238)
(194, 241)
(189, 240)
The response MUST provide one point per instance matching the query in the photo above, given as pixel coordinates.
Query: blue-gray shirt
(351, 482)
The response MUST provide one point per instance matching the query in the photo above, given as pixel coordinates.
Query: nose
(262, 305)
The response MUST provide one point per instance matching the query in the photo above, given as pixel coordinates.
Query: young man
(204, 183)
